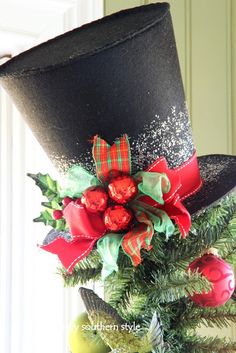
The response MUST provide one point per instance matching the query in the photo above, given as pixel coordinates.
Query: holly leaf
(47, 218)
(54, 205)
(61, 225)
(47, 204)
(49, 187)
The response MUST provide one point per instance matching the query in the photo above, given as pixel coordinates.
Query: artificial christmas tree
(139, 212)
(184, 290)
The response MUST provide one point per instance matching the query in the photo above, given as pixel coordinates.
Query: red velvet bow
(172, 203)
(85, 229)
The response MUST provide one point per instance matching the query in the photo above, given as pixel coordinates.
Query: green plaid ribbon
(150, 220)
(113, 158)
(138, 238)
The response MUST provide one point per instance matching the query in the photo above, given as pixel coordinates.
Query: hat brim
(219, 178)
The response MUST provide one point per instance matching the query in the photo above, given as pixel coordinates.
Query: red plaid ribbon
(138, 238)
(111, 158)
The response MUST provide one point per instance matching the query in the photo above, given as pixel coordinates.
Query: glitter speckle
(168, 136)
(165, 136)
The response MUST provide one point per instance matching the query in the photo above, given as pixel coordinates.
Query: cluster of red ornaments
(110, 202)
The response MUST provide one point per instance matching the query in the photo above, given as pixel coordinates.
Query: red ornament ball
(122, 189)
(220, 274)
(95, 199)
(117, 218)
(57, 214)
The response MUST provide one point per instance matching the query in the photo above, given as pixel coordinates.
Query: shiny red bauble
(122, 189)
(95, 199)
(220, 274)
(117, 218)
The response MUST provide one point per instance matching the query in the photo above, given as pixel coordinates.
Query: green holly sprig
(51, 190)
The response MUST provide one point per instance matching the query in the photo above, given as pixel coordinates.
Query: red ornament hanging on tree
(122, 189)
(117, 218)
(95, 199)
(220, 274)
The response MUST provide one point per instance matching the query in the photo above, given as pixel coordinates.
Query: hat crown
(116, 75)
(86, 40)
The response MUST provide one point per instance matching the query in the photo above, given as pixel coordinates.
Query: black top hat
(116, 75)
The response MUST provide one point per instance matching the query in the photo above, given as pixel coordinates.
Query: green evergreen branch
(93, 260)
(173, 286)
(87, 269)
(79, 276)
(137, 301)
(208, 230)
(198, 344)
(228, 248)
(158, 253)
(119, 286)
(210, 317)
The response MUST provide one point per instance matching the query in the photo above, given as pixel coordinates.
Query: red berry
(66, 201)
(95, 199)
(57, 214)
(117, 218)
(122, 189)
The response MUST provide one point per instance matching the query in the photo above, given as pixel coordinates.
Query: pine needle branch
(227, 249)
(79, 276)
(208, 230)
(210, 317)
(158, 253)
(118, 288)
(171, 287)
(93, 260)
(197, 344)
(87, 269)
(136, 305)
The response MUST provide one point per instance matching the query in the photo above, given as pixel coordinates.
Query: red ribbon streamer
(82, 223)
(85, 229)
(188, 175)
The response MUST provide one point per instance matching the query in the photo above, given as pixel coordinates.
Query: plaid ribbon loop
(113, 158)
(138, 238)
